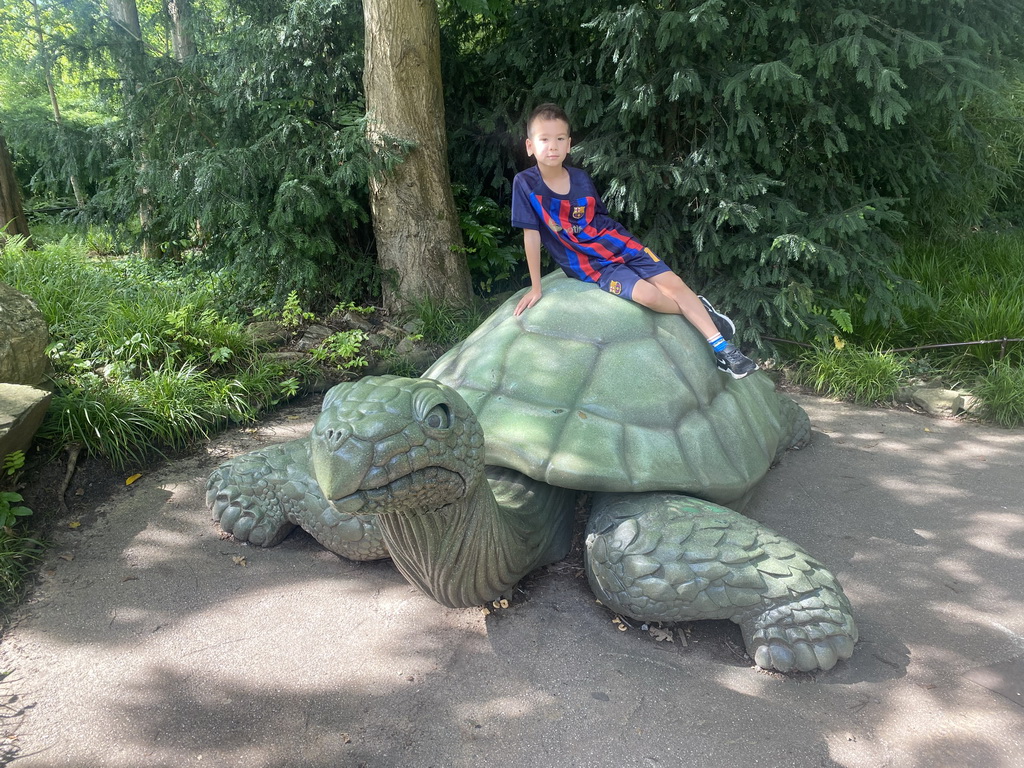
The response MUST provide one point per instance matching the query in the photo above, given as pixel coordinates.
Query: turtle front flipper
(261, 496)
(667, 557)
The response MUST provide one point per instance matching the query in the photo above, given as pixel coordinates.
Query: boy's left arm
(531, 244)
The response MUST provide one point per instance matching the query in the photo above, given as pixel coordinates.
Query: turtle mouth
(419, 492)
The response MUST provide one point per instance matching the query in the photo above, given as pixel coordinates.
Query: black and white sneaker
(723, 323)
(734, 362)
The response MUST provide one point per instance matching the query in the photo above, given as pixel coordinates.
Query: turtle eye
(439, 417)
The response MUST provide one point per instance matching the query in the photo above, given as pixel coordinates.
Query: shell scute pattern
(594, 393)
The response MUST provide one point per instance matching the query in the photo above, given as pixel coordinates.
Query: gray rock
(21, 412)
(313, 337)
(23, 339)
(268, 333)
(353, 320)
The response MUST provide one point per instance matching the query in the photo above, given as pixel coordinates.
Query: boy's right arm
(531, 244)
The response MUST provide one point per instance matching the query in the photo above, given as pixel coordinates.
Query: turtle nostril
(336, 436)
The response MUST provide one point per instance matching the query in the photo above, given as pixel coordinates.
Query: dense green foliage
(772, 152)
(252, 152)
(768, 150)
(266, 166)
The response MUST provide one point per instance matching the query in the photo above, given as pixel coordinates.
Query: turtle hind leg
(668, 557)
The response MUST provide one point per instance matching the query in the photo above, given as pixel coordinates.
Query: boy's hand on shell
(526, 302)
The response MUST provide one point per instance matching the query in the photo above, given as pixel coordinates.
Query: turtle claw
(240, 500)
(779, 639)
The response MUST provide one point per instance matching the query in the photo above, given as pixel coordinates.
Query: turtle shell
(588, 391)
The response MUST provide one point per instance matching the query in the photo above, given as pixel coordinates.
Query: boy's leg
(723, 323)
(675, 292)
(689, 306)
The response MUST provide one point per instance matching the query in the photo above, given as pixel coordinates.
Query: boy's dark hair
(548, 111)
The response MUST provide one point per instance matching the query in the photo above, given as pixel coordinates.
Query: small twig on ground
(73, 451)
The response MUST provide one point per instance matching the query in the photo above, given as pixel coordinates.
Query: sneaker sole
(738, 375)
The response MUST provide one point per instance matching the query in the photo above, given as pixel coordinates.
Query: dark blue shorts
(620, 278)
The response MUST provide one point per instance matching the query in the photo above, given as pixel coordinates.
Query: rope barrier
(1002, 342)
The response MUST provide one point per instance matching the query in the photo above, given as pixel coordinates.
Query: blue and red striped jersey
(574, 228)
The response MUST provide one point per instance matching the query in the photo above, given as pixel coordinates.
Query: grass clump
(1001, 392)
(18, 555)
(18, 551)
(444, 324)
(975, 291)
(852, 373)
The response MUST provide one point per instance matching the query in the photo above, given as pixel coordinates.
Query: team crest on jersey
(615, 287)
(579, 211)
(651, 254)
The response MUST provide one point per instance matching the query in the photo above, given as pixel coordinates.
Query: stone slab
(22, 409)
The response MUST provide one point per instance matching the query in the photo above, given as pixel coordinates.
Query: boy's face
(549, 141)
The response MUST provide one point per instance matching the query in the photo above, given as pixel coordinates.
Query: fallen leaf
(132, 479)
(294, 418)
(238, 560)
(67, 556)
(74, 524)
(130, 578)
(80, 492)
(660, 634)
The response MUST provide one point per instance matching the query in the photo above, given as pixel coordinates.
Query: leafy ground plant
(341, 350)
(18, 553)
(11, 509)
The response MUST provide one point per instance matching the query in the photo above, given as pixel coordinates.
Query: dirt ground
(150, 640)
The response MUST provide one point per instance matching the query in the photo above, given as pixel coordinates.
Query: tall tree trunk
(12, 215)
(183, 42)
(47, 73)
(419, 243)
(125, 15)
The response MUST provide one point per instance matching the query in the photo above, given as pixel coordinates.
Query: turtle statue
(467, 477)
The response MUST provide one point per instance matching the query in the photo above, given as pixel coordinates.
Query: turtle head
(387, 444)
